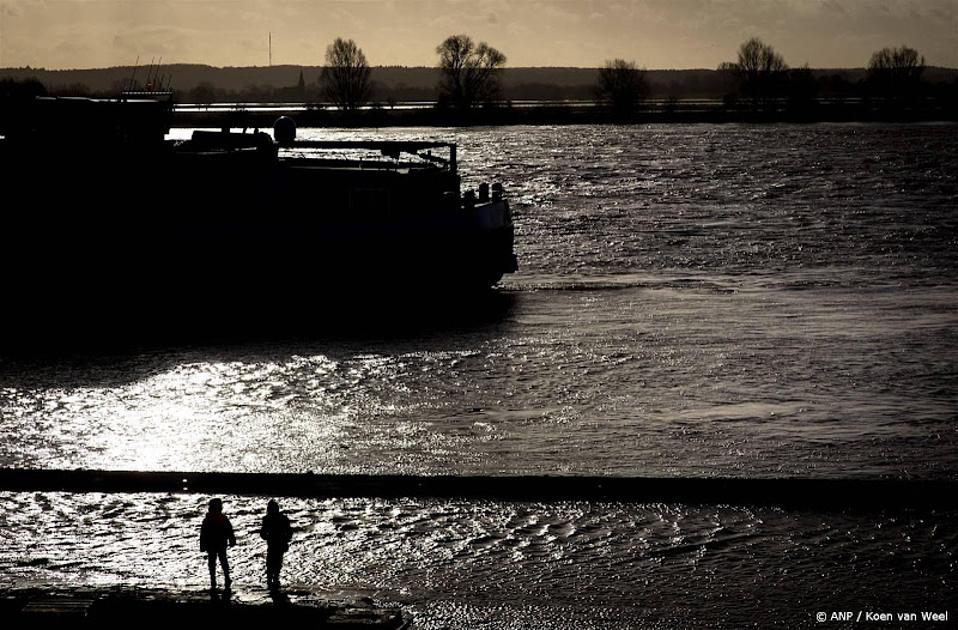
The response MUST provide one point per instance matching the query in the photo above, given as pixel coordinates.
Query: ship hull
(159, 239)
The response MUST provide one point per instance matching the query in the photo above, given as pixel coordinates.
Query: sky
(653, 33)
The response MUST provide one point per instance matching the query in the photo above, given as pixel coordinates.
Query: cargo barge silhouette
(103, 215)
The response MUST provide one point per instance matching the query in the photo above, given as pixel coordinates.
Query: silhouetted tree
(895, 72)
(802, 88)
(25, 90)
(203, 94)
(73, 89)
(257, 93)
(469, 72)
(759, 70)
(621, 86)
(345, 78)
(835, 85)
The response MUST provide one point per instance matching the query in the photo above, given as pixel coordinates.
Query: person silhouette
(277, 533)
(215, 533)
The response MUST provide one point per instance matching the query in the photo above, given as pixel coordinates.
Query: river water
(756, 301)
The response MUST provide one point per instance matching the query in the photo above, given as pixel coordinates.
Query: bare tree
(760, 69)
(469, 72)
(345, 79)
(621, 86)
(896, 71)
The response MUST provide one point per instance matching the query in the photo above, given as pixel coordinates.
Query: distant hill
(404, 83)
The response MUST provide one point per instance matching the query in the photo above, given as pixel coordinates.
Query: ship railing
(149, 95)
(389, 148)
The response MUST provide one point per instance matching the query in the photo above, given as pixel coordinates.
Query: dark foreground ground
(116, 607)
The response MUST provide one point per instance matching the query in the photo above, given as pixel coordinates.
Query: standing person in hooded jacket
(215, 533)
(277, 533)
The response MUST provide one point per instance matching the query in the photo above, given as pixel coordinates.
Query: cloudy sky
(654, 33)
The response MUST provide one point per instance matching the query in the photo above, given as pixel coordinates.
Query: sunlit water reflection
(640, 380)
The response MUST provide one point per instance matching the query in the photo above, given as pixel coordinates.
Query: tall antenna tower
(271, 49)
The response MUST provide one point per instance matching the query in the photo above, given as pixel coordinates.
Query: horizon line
(415, 67)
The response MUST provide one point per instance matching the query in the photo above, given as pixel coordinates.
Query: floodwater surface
(755, 301)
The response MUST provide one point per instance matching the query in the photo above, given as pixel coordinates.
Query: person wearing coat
(277, 533)
(215, 534)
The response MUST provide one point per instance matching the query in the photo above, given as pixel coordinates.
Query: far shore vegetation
(471, 84)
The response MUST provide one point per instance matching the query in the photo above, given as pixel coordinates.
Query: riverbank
(782, 491)
(679, 112)
(115, 606)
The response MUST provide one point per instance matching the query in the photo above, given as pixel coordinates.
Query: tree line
(468, 75)
(763, 80)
